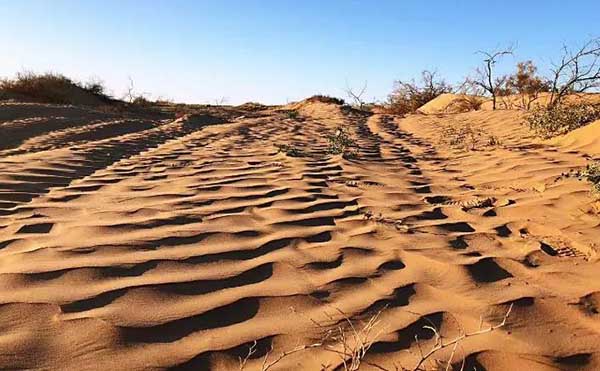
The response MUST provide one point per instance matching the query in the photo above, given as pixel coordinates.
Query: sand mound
(585, 139)
(189, 244)
(449, 103)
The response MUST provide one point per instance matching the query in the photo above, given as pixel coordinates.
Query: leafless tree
(129, 95)
(221, 101)
(484, 75)
(578, 71)
(356, 96)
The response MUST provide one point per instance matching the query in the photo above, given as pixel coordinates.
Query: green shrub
(289, 150)
(561, 119)
(341, 143)
(591, 173)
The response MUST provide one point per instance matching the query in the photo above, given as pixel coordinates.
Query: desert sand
(150, 243)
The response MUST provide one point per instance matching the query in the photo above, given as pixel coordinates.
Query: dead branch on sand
(352, 342)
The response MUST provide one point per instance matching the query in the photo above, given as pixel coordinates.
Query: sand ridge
(178, 244)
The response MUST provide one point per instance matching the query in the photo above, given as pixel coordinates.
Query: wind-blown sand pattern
(148, 243)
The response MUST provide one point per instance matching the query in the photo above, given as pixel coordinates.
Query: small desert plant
(397, 224)
(556, 120)
(289, 150)
(351, 340)
(493, 140)
(341, 143)
(292, 114)
(590, 173)
(462, 136)
(466, 103)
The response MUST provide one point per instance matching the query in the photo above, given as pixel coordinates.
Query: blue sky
(277, 51)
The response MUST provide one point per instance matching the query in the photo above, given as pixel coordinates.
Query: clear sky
(273, 51)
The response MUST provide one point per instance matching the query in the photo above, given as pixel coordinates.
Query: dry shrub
(351, 340)
(466, 103)
(407, 97)
(49, 88)
(526, 84)
(289, 150)
(342, 143)
(591, 174)
(142, 101)
(252, 106)
(326, 99)
(461, 136)
(556, 120)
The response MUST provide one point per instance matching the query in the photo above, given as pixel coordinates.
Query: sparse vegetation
(397, 224)
(289, 150)
(466, 102)
(461, 136)
(493, 140)
(407, 97)
(351, 340)
(326, 99)
(341, 143)
(556, 120)
(590, 173)
(292, 114)
(51, 88)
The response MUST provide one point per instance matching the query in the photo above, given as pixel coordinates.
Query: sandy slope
(177, 245)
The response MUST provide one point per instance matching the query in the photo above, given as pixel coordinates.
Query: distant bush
(407, 97)
(49, 88)
(326, 99)
(142, 101)
(548, 122)
(252, 106)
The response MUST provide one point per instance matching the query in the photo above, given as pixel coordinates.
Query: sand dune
(146, 243)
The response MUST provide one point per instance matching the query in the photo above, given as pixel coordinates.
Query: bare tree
(578, 71)
(356, 96)
(221, 101)
(484, 75)
(129, 95)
